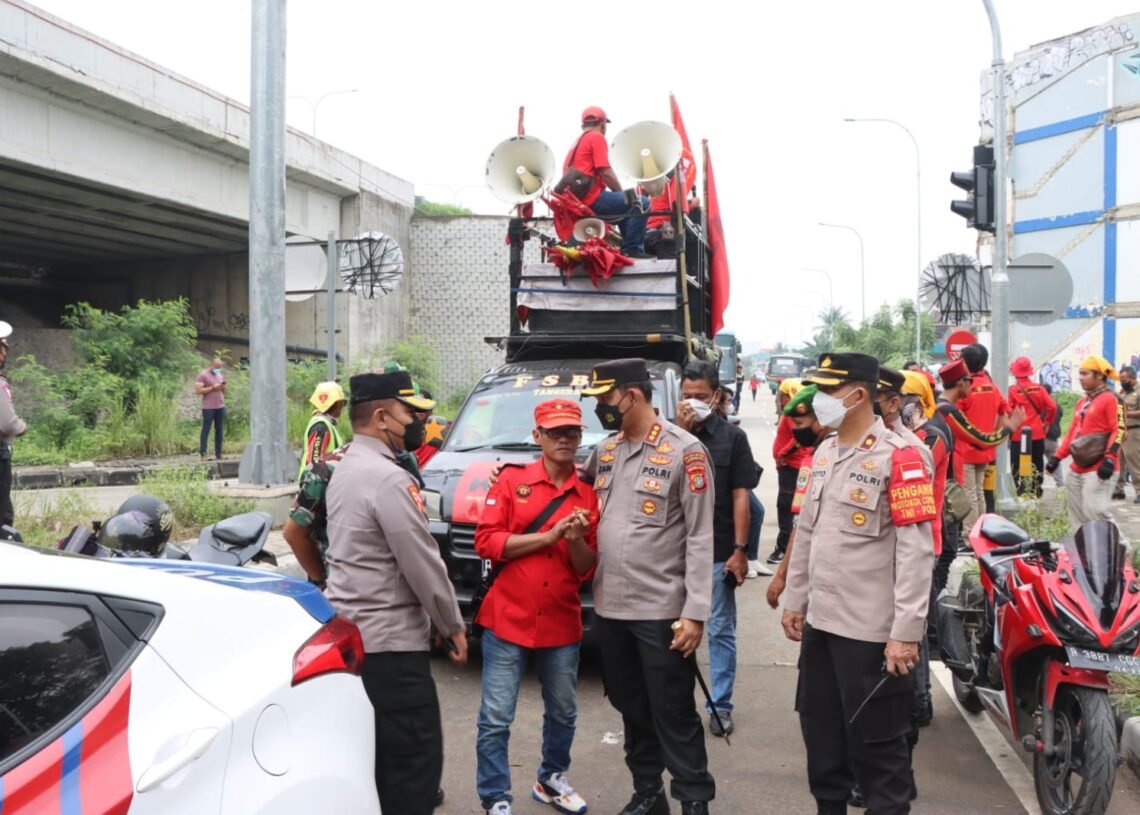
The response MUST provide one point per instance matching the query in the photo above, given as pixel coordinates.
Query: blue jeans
(612, 203)
(722, 641)
(755, 521)
(216, 418)
(504, 664)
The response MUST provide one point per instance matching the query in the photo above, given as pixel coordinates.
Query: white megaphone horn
(587, 228)
(519, 169)
(645, 152)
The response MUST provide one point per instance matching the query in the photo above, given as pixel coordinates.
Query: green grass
(191, 498)
(44, 518)
(1126, 693)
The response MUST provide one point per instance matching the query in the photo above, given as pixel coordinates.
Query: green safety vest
(306, 453)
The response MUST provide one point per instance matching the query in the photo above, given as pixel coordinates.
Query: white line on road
(994, 742)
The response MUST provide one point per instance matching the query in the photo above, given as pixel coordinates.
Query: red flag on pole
(688, 163)
(718, 274)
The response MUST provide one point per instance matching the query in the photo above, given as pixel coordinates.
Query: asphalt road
(764, 769)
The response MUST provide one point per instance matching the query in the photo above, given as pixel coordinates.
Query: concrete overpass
(120, 179)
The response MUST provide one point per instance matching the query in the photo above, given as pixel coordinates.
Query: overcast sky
(768, 84)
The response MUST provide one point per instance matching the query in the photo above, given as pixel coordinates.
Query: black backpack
(1053, 432)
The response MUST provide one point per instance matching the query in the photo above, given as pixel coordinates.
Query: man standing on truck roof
(538, 529)
(587, 173)
(653, 586)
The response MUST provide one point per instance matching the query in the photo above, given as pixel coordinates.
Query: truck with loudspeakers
(562, 324)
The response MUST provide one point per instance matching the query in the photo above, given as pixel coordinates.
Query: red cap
(953, 372)
(593, 115)
(557, 413)
(1021, 367)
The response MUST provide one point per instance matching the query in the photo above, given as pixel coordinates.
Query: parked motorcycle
(1031, 637)
(141, 528)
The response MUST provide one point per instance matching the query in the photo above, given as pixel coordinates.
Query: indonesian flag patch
(912, 488)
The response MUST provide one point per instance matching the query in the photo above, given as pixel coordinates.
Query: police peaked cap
(836, 369)
(616, 374)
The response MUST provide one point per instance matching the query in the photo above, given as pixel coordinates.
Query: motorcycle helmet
(142, 524)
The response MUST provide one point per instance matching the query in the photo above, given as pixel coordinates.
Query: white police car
(152, 686)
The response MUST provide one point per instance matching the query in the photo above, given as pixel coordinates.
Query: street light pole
(830, 289)
(999, 284)
(862, 269)
(918, 230)
(314, 105)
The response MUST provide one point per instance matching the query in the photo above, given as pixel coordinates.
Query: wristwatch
(740, 547)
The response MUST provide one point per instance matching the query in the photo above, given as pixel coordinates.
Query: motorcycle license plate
(1100, 661)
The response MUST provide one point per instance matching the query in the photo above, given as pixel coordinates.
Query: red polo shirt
(534, 600)
(982, 407)
(590, 155)
(1102, 412)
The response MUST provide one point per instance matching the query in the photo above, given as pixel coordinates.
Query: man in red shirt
(1040, 410)
(1098, 414)
(984, 407)
(533, 608)
(587, 174)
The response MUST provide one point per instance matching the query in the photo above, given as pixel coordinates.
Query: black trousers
(786, 478)
(409, 734)
(7, 513)
(836, 675)
(1028, 485)
(652, 688)
(216, 418)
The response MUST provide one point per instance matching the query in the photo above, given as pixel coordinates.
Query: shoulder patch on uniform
(868, 442)
(696, 469)
(418, 498)
(694, 456)
(654, 433)
(912, 488)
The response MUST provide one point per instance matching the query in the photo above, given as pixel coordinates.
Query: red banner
(718, 274)
(688, 162)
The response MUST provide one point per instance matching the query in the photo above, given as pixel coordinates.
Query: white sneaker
(500, 808)
(756, 568)
(557, 792)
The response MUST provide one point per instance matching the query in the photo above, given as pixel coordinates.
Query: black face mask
(1127, 386)
(611, 416)
(804, 436)
(877, 409)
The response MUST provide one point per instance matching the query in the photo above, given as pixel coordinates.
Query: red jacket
(982, 408)
(1102, 412)
(1040, 409)
(937, 437)
(786, 450)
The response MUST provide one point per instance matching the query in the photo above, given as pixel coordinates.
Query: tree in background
(888, 334)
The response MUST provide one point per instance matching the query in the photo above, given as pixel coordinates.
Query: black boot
(694, 808)
(856, 799)
(647, 803)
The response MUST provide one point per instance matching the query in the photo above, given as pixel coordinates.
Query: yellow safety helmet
(790, 387)
(326, 395)
(918, 385)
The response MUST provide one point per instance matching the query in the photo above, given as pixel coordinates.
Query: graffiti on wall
(1057, 58)
(209, 321)
(1058, 375)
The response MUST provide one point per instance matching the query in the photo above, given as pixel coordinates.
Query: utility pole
(999, 287)
(268, 459)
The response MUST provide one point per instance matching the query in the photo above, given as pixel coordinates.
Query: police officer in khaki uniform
(655, 546)
(857, 594)
(11, 426)
(386, 575)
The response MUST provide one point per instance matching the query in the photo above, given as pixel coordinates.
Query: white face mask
(829, 410)
(701, 410)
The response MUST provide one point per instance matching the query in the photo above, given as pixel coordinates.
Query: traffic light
(978, 208)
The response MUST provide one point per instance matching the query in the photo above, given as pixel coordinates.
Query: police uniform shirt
(385, 570)
(655, 533)
(11, 425)
(863, 556)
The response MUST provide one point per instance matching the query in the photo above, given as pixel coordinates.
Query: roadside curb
(1130, 743)
(38, 478)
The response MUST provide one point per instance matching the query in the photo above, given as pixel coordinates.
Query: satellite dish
(371, 264)
(306, 268)
(957, 287)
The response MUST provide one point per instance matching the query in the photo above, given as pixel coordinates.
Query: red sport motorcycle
(1031, 637)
